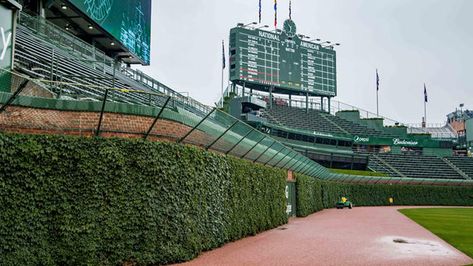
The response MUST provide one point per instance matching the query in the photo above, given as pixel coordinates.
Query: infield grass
(454, 225)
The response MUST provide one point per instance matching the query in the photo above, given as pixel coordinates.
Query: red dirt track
(361, 236)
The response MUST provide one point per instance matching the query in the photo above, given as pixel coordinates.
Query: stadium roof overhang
(68, 17)
(12, 4)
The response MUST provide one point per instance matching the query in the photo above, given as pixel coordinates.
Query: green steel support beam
(269, 147)
(300, 167)
(266, 163)
(308, 170)
(13, 97)
(223, 134)
(290, 160)
(238, 143)
(157, 117)
(306, 167)
(296, 166)
(293, 166)
(254, 146)
(97, 132)
(312, 168)
(196, 126)
(313, 172)
(282, 158)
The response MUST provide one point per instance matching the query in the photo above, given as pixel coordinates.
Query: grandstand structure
(344, 141)
(58, 68)
(341, 136)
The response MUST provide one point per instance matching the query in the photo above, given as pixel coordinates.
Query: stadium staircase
(415, 166)
(377, 164)
(463, 164)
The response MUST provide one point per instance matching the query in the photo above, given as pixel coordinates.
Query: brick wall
(44, 121)
(26, 120)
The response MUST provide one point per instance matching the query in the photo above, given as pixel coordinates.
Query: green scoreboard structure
(128, 21)
(281, 62)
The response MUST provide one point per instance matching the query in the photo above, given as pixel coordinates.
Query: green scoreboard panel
(261, 59)
(128, 21)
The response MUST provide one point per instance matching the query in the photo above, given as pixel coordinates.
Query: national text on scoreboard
(260, 59)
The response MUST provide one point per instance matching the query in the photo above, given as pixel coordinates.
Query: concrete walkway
(361, 236)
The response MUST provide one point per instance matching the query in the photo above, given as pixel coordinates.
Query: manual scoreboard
(281, 60)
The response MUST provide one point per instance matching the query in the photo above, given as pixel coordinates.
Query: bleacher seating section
(415, 166)
(315, 120)
(83, 78)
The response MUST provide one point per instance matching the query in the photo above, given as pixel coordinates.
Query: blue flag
(223, 55)
(275, 13)
(425, 94)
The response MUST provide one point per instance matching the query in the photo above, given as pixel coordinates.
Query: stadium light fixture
(302, 36)
(252, 23)
(63, 7)
(331, 45)
(112, 43)
(67, 27)
(90, 27)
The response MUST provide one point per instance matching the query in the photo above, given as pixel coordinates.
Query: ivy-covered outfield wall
(314, 195)
(76, 201)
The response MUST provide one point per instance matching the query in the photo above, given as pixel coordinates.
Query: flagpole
(222, 88)
(425, 105)
(223, 69)
(377, 105)
(377, 91)
(425, 112)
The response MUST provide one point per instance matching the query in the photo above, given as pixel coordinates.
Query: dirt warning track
(361, 236)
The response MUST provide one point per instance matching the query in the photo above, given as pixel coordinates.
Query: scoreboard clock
(261, 59)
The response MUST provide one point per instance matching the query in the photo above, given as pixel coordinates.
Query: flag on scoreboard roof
(275, 13)
(223, 55)
(259, 14)
(290, 9)
(377, 80)
(425, 94)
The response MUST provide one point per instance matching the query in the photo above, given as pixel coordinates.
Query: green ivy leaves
(314, 195)
(93, 201)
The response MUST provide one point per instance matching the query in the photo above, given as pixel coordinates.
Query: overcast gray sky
(409, 41)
